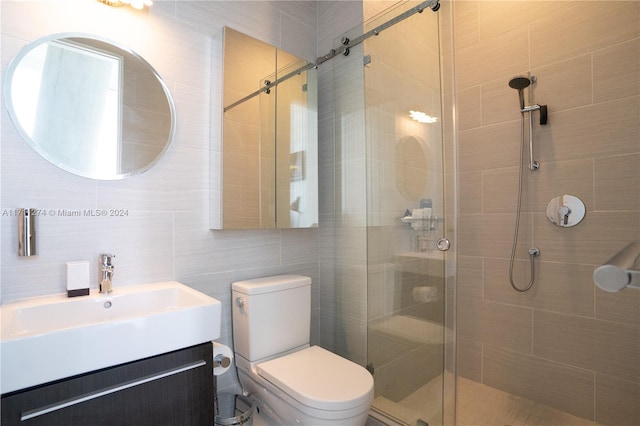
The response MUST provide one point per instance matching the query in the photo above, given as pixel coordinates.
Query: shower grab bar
(621, 271)
(534, 165)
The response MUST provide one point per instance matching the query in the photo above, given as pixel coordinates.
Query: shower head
(520, 83)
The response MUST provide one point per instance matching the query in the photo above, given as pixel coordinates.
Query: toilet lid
(319, 379)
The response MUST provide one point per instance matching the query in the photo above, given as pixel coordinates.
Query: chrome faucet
(106, 272)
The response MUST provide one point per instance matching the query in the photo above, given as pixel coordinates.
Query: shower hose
(533, 252)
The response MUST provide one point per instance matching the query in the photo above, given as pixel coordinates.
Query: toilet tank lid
(271, 284)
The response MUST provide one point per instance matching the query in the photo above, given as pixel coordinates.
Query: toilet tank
(271, 315)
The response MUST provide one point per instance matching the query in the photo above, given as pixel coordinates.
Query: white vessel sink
(53, 337)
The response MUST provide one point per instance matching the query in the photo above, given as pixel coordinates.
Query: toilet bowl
(291, 381)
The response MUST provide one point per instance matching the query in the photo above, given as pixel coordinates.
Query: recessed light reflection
(422, 117)
(137, 4)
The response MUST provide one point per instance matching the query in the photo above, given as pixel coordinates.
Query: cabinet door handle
(108, 390)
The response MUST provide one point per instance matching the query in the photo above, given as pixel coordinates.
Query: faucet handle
(106, 259)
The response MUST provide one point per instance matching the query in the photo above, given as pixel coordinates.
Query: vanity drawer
(175, 388)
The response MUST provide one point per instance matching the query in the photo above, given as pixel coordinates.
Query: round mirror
(412, 168)
(89, 106)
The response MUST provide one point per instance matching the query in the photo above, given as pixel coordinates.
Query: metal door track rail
(347, 43)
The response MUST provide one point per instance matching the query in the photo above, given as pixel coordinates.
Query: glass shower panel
(405, 217)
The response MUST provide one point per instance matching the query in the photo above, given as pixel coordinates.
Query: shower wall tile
(497, 287)
(504, 326)
(469, 355)
(579, 133)
(446, 62)
(509, 57)
(469, 104)
(617, 401)
(484, 148)
(615, 71)
(380, 246)
(601, 346)
(385, 349)
(559, 287)
(565, 287)
(561, 386)
(617, 182)
(574, 177)
(380, 291)
(598, 237)
(563, 85)
(491, 235)
(328, 303)
(500, 190)
(350, 246)
(496, 18)
(623, 306)
(562, 34)
(499, 103)
(408, 372)
(470, 276)
(470, 192)
(467, 30)
(326, 169)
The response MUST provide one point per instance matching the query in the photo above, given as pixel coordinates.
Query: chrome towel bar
(621, 271)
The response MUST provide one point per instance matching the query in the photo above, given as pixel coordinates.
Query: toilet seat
(319, 379)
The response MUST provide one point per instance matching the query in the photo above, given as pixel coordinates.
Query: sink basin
(53, 337)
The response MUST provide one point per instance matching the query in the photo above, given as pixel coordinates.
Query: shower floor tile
(481, 405)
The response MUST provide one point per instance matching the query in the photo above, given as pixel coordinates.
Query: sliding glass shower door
(405, 216)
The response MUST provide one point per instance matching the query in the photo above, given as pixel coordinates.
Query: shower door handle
(443, 244)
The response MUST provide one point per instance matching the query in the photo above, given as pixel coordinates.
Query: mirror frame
(8, 101)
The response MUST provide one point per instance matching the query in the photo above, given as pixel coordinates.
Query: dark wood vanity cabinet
(175, 388)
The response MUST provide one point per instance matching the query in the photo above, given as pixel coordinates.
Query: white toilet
(292, 382)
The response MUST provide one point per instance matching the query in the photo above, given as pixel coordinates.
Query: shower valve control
(563, 215)
(565, 211)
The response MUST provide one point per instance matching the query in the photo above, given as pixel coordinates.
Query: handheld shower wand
(521, 83)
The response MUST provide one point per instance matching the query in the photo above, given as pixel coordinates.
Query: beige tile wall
(565, 343)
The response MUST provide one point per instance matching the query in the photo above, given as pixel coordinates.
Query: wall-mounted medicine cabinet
(267, 158)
